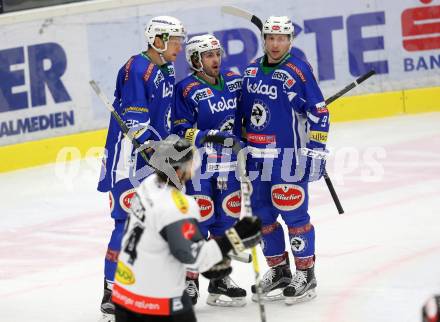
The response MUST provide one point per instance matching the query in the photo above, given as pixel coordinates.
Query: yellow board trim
(35, 153)
(378, 105)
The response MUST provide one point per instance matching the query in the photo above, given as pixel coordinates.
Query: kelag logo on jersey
(263, 89)
(260, 115)
(234, 85)
(283, 76)
(45, 64)
(202, 94)
(223, 105)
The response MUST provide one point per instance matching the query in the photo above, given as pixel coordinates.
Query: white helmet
(199, 44)
(281, 25)
(166, 27)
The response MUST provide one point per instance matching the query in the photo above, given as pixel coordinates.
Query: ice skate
(107, 306)
(302, 288)
(273, 283)
(224, 292)
(192, 289)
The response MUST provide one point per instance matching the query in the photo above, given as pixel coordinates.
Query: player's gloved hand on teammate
(312, 163)
(246, 233)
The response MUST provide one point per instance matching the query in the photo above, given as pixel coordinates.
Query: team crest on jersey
(227, 125)
(283, 76)
(287, 197)
(124, 275)
(251, 72)
(180, 201)
(260, 115)
(202, 94)
(159, 78)
(125, 199)
(206, 206)
(298, 244)
(234, 85)
(232, 204)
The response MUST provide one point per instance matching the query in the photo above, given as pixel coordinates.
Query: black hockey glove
(246, 233)
(219, 270)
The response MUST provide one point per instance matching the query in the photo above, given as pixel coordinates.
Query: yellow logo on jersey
(124, 275)
(318, 136)
(180, 201)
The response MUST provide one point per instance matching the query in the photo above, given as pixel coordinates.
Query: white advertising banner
(45, 64)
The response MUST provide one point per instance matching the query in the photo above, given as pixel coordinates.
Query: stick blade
(238, 12)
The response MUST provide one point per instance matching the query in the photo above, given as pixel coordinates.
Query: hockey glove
(199, 137)
(219, 270)
(246, 233)
(313, 162)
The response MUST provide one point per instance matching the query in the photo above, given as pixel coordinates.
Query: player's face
(174, 48)
(276, 47)
(211, 61)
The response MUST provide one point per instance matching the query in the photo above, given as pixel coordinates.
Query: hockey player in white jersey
(286, 124)
(205, 103)
(143, 99)
(162, 239)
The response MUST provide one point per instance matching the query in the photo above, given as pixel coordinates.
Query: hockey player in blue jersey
(143, 99)
(286, 124)
(205, 103)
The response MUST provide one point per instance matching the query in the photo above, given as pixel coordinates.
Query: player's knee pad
(302, 242)
(272, 241)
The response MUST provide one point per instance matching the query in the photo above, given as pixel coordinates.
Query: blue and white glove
(313, 161)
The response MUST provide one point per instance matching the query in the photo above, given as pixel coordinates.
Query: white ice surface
(378, 262)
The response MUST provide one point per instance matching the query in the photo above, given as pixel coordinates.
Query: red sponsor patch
(188, 88)
(287, 196)
(297, 71)
(321, 110)
(232, 204)
(125, 199)
(206, 206)
(276, 27)
(188, 230)
(261, 138)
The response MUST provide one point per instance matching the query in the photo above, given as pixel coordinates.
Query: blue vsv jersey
(204, 106)
(143, 99)
(283, 107)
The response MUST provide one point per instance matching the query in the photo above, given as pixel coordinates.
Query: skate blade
(106, 317)
(225, 301)
(307, 296)
(272, 296)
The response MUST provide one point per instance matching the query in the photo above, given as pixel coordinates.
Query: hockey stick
(242, 257)
(245, 186)
(328, 101)
(119, 120)
(234, 11)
